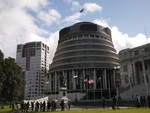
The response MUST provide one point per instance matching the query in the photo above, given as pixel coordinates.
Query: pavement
(92, 107)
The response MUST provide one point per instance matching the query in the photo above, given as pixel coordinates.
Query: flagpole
(109, 86)
(101, 87)
(146, 34)
(87, 90)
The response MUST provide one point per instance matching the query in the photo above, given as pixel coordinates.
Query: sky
(23, 21)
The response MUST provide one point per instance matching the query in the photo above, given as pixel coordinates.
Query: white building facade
(33, 57)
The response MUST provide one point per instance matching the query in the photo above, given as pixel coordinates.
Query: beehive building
(86, 56)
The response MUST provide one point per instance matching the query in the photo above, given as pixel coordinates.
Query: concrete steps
(130, 93)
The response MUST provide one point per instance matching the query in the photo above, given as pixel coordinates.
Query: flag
(85, 81)
(91, 81)
(99, 79)
(81, 10)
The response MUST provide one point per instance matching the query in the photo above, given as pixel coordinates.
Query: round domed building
(85, 57)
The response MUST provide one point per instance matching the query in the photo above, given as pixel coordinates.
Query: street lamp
(47, 86)
(75, 77)
(117, 79)
(29, 92)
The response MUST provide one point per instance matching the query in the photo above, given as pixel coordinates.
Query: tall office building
(86, 57)
(33, 57)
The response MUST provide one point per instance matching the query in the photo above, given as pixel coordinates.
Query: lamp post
(117, 79)
(47, 86)
(29, 92)
(75, 77)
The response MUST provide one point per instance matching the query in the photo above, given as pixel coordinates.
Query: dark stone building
(86, 57)
(135, 69)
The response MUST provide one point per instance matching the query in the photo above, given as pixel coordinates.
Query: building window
(38, 44)
(19, 47)
(74, 37)
(96, 36)
(126, 79)
(42, 45)
(125, 68)
(80, 36)
(86, 36)
(136, 52)
(146, 49)
(91, 36)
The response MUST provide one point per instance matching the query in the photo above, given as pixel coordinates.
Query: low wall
(131, 103)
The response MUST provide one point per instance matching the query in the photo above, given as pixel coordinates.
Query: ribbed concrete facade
(85, 51)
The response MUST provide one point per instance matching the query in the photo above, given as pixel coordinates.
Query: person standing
(69, 104)
(32, 106)
(138, 101)
(148, 100)
(104, 102)
(114, 99)
(62, 105)
(44, 106)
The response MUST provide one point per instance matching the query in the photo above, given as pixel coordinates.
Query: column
(73, 81)
(50, 81)
(134, 74)
(84, 77)
(114, 76)
(105, 79)
(94, 73)
(144, 74)
(55, 81)
(55, 78)
(148, 67)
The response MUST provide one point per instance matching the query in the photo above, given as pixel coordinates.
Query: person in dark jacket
(62, 105)
(148, 100)
(114, 106)
(104, 102)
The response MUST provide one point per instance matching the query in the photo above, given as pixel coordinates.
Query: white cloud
(18, 26)
(138, 40)
(122, 40)
(33, 5)
(50, 17)
(73, 18)
(101, 22)
(68, 1)
(75, 6)
(92, 7)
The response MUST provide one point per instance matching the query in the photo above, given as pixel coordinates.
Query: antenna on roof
(146, 35)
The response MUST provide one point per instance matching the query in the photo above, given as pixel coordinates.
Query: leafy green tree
(2, 75)
(1, 56)
(13, 82)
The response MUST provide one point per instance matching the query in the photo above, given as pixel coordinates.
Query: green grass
(131, 110)
(5, 110)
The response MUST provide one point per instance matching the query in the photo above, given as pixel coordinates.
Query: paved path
(92, 107)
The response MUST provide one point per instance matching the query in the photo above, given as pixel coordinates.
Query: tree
(2, 75)
(1, 56)
(12, 87)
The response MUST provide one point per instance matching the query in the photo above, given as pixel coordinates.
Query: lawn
(131, 110)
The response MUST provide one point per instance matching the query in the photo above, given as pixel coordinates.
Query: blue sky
(23, 21)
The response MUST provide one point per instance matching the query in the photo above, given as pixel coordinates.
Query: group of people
(142, 101)
(36, 106)
(62, 104)
(114, 102)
